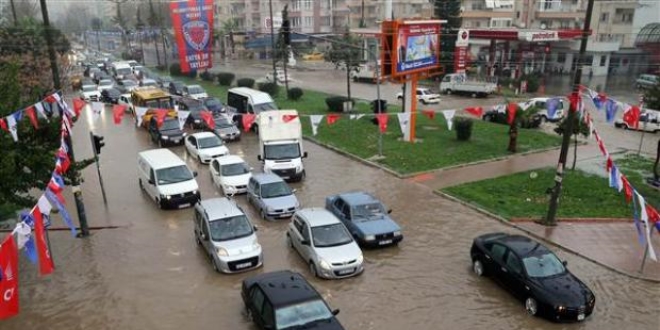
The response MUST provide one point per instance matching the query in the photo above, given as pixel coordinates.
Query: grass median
(437, 147)
(584, 195)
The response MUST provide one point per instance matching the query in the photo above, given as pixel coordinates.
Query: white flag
(23, 232)
(404, 121)
(356, 116)
(44, 205)
(316, 120)
(97, 109)
(449, 115)
(183, 116)
(647, 228)
(40, 110)
(65, 107)
(13, 128)
(139, 112)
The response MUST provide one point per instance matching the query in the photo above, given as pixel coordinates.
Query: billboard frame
(415, 34)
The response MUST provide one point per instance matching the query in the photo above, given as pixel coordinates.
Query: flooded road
(149, 273)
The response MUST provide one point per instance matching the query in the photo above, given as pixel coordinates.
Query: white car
(231, 174)
(195, 91)
(541, 103)
(325, 244)
(105, 84)
(90, 93)
(424, 95)
(205, 146)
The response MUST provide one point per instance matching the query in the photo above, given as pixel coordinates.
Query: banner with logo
(192, 21)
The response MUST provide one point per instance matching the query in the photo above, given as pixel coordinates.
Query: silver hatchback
(271, 196)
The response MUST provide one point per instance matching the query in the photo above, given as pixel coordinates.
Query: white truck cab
(281, 144)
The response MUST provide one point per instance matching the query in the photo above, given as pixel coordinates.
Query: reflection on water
(149, 274)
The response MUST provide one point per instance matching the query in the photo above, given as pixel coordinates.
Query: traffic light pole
(98, 166)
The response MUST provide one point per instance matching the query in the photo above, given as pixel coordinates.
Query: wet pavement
(149, 274)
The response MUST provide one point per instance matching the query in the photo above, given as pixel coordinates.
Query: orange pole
(413, 107)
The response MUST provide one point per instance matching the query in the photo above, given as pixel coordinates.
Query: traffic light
(98, 143)
(286, 31)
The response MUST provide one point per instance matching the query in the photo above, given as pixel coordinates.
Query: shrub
(207, 76)
(533, 83)
(175, 69)
(336, 103)
(161, 67)
(295, 93)
(271, 88)
(225, 78)
(463, 128)
(244, 82)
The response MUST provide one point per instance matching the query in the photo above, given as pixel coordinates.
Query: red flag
(574, 99)
(78, 105)
(248, 120)
(288, 118)
(429, 113)
(608, 164)
(332, 118)
(627, 189)
(56, 188)
(32, 114)
(46, 265)
(601, 146)
(8, 278)
(382, 121)
(65, 162)
(118, 111)
(3, 125)
(160, 116)
(602, 97)
(50, 99)
(476, 111)
(512, 108)
(207, 117)
(631, 116)
(653, 214)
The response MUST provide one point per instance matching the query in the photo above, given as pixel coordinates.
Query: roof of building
(648, 35)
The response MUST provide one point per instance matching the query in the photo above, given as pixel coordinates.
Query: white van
(166, 179)
(241, 100)
(121, 70)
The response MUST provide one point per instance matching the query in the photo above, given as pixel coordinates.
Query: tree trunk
(656, 175)
(157, 52)
(348, 80)
(513, 137)
(575, 153)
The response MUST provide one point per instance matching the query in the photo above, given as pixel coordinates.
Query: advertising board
(192, 21)
(417, 47)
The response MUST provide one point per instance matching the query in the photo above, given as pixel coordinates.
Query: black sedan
(110, 95)
(214, 105)
(533, 274)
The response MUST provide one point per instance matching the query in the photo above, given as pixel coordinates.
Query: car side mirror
(259, 157)
(293, 191)
(194, 173)
(389, 211)
(304, 242)
(204, 237)
(335, 312)
(305, 154)
(151, 181)
(565, 263)
(255, 228)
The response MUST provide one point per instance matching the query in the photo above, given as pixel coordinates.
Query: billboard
(417, 46)
(192, 21)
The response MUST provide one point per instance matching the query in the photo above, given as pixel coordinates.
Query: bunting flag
(615, 178)
(40, 110)
(355, 116)
(63, 162)
(332, 118)
(382, 122)
(3, 125)
(608, 164)
(46, 265)
(590, 124)
(139, 113)
(404, 121)
(23, 232)
(78, 105)
(475, 111)
(552, 105)
(601, 146)
(631, 116)
(13, 127)
(30, 249)
(288, 118)
(429, 113)
(62, 212)
(611, 107)
(207, 117)
(118, 111)
(627, 188)
(56, 185)
(8, 278)
(183, 117)
(315, 121)
(32, 114)
(449, 117)
(97, 109)
(654, 216)
(247, 121)
(160, 116)
(511, 113)
(67, 124)
(647, 228)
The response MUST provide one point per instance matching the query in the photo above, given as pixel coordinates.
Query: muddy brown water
(149, 273)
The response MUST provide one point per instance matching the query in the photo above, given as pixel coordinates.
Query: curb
(578, 220)
(512, 225)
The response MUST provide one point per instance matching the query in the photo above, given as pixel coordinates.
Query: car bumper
(289, 174)
(339, 272)
(281, 214)
(180, 201)
(234, 190)
(431, 101)
(208, 158)
(230, 137)
(240, 263)
(576, 314)
(381, 241)
(172, 141)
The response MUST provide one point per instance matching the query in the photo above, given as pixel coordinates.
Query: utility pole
(162, 32)
(13, 12)
(555, 192)
(75, 184)
(272, 41)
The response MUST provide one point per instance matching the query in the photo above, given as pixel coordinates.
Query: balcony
(555, 9)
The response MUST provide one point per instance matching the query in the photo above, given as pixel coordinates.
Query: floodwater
(149, 273)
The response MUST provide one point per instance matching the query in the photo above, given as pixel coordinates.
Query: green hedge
(463, 128)
(295, 94)
(245, 82)
(270, 88)
(336, 103)
(225, 78)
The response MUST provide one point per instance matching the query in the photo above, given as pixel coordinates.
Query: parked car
(90, 93)
(424, 95)
(148, 82)
(647, 81)
(127, 85)
(214, 105)
(176, 88)
(498, 114)
(285, 300)
(533, 274)
(167, 133)
(195, 107)
(271, 196)
(365, 217)
(325, 244)
(110, 95)
(541, 103)
(205, 146)
(164, 82)
(195, 91)
(649, 121)
(227, 236)
(224, 128)
(106, 84)
(231, 174)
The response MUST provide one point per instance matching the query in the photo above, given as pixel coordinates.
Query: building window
(477, 24)
(295, 5)
(561, 57)
(295, 22)
(564, 24)
(603, 59)
(308, 22)
(604, 17)
(624, 15)
(307, 4)
(518, 15)
(588, 60)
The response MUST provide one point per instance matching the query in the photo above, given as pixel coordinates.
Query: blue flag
(610, 110)
(65, 215)
(598, 103)
(18, 115)
(30, 250)
(552, 105)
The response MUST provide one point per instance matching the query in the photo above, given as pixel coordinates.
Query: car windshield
(209, 142)
(230, 228)
(275, 189)
(169, 125)
(124, 71)
(158, 103)
(257, 108)
(302, 313)
(367, 211)
(213, 102)
(89, 88)
(195, 90)
(222, 122)
(234, 169)
(196, 108)
(543, 265)
(128, 83)
(173, 174)
(330, 235)
(281, 151)
(105, 82)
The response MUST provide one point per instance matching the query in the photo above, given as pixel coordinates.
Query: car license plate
(284, 215)
(580, 317)
(176, 140)
(184, 205)
(243, 265)
(345, 271)
(385, 242)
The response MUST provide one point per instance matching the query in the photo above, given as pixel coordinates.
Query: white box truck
(281, 144)
(459, 84)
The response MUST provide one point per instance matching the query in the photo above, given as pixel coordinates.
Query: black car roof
(284, 287)
(521, 245)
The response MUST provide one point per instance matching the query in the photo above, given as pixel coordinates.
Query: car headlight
(324, 264)
(168, 197)
(269, 209)
(560, 308)
(194, 192)
(184, 133)
(222, 252)
(228, 188)
(397, 233)
(370, 237)
(360, 259)
(165, 137)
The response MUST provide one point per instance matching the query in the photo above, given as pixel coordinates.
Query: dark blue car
(366, 218)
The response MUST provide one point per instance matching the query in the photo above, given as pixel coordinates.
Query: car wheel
(531, 306)
(448, 92)
(140, 184)
(248, 314)
(399, 97)
(625, 127)
(478, 267)
(474, 95)
(423, 102)
(160, 204)
(199, 243)
(312, 269)
(199, 159)
(289, 242)
(215, 265)
(262, 214)
(160, 143)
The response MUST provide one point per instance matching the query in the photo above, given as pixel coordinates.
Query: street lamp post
(272, 41)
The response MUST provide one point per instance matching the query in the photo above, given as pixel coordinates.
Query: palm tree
(522, 118)
(656, 176)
